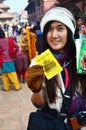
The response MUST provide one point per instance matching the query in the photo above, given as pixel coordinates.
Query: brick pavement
(15, 107)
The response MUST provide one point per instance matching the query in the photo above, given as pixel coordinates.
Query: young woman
(58, 27)
(8, 49)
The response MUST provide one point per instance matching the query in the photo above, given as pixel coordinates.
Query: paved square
(15, 107)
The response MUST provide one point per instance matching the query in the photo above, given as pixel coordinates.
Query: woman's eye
(50, 29)
(60, 28)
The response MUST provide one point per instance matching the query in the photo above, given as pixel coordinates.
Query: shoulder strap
(67, 99)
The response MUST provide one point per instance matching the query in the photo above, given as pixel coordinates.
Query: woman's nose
(55, 33)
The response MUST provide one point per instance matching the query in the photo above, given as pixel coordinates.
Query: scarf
(11, 47)
(62, 59)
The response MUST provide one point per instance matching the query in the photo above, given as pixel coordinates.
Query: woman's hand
(34, 77)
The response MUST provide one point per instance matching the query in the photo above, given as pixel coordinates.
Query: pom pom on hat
(59, 14)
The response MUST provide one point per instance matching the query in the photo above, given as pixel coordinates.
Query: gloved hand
(34, 77)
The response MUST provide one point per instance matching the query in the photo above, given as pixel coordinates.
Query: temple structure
(5, 17)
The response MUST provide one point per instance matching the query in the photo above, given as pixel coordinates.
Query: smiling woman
(15, 5)
(58, 93)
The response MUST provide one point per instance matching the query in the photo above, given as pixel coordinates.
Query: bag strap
(67, 99)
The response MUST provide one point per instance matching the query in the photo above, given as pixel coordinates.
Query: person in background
(21, 64)
(39, 41)
(8, 50)
(79, 27)
(23, 42)
(14, 35)
(58, 26)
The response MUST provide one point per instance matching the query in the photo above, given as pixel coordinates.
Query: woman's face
(23, 30)
(57, 36)
(79, 22)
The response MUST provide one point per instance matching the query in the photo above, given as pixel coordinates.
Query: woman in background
(8, 50)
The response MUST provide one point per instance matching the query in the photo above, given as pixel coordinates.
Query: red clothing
(0, 58)
(21, 61)
(4, 46)
(21, 64)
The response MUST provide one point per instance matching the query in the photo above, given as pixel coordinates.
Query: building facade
(4, 15)
(37, 8)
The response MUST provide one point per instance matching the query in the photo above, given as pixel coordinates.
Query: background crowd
(25, 38)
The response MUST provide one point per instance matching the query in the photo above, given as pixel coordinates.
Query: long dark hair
(71, 52)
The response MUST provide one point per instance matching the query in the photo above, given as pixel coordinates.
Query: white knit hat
(59, 14)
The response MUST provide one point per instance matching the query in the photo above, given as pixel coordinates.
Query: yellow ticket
(50, 64)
